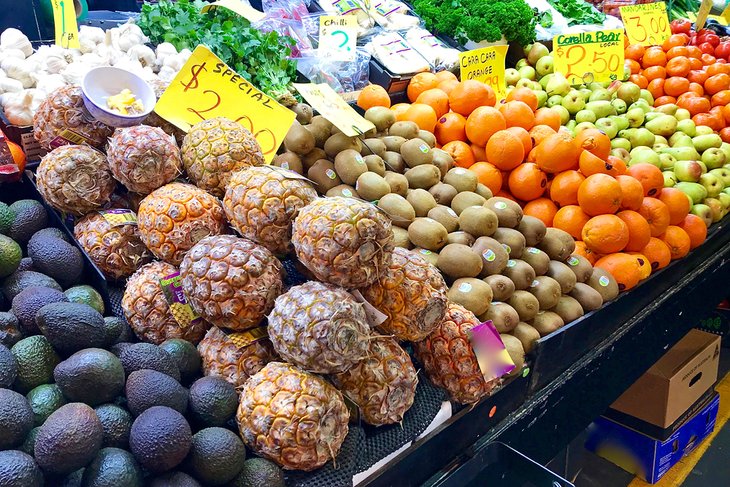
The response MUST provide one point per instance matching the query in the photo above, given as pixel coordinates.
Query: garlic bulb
(48, 82)
(94, 34)
(167, 74)
(131, 65)
(55, 64)
(15, 39)
(130, 35)
(10, 85)
(163, 51)
(18, 69)
(14, 53)
(143, 54)
(21, 106)
(74, 73)
(91, 59)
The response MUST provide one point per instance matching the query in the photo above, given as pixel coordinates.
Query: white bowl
(101, 83)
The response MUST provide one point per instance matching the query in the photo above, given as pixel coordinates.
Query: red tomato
(680, 26)
(713, 39)
(723, 50)
(706, 48)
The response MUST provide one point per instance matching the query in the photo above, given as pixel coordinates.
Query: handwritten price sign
(64, 21)
(646, 24)
(485, 65)
(590, 56)
(338, 36)
(332, 107)
(206, 88)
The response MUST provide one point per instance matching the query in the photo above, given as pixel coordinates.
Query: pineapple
(148, 311)
(63, 116)
(383, 385)
(261, 203)
(449, 359)
(216, 148)
(175, 217)
(343, 241)
(234, 357)
(155, 120)
(143, 158)
(116, 250)
(412, 294)
(230, 281)
(291, 417)
(75, 179)
(319, 328)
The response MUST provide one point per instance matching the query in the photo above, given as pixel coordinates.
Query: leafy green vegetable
(479, 20)
(578, 12)
(260, 57)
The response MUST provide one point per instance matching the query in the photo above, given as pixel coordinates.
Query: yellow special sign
(590, 56)
(486, 65)
(646, 24)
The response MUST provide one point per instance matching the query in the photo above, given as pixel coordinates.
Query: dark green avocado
(92, 376)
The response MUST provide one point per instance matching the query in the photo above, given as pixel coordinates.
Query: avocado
(116, 423)
(10, 256)
(28, 445)
(27, 303)
(113, 467)
(71, 480)
(175, 479)
(17, 281)
(92, 376)
(6, 218)
(8, 367)
(9, 328)
(52, 232)
(30, 216)
(87, 295)
(69, 439)
(114, 323)
(26, 264)
(43, 400)
(18, 469)
(58, 259)
(186, 356)
(160, 438)
(216, 456)
(213, 401)
(138, 356)
(16, 419)
(259, 472)
(71, 327)
(36, 360)
(146, 388)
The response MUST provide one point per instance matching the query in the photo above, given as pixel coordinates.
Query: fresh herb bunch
(578, 12)
(262, 58)
(479, 20)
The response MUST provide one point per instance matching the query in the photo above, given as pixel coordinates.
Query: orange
(678, 66)
(557, 153)
(695, 105)
(634, 51)
(623, 267)
(482, 123)
(678, 51)
(694, 52)
(675, 40)
(445, 75)
(525, 95)
(581, 249)
(451, 126)
(564, 187)
(488, 175)
(506, 194)
(594, 141)
(605, 234)
(571, 219)
(423, 115)
(448, 85)
(717, 83)
(373, 96)
(420, 83)
(639, 80)
(656, 88)
(708, 59)
(653, 56)
(399, 109)
(480, 152)
(639, 230)
(524, 136)
(436, 99)
(649, 176)
(599, 194)
(539, 132)
(505, 150)
(542, 209)
(469, 95)
(696, 88)
(590, 164)
(677, 240)
(658, 253)
(695, 228)
(677, 202)
(675, 86)
(618, 166)
(698, 76)
(721, 98)
(664, 100)
(644, 264)
(654, 72)
(518, 114)
(633, 66)
(656, 213)
(527, 182)
(460, 152)
(547, 116)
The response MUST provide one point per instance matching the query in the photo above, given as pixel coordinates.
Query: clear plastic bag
(286, 9)
(342, 76)
(439, 55)
(393, 52)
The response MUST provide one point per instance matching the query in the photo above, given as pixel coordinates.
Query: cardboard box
(675, 382)
(644, 456)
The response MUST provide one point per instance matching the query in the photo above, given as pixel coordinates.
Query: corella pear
(574, 102)
(635, 116)
(716, 207)
(703, 211)
(681, 153)
(585, 116)
(687, 126)
(682, 114)
(537, 51)
(600, 94)
(622, 154)
(644, 154)
(680, 139)
(664, 125)
(724, 175)
(725, 200)
(608, 127)
(725, 147)
(557, 85)
(511, 76)
(629, 92)
(669, 179)
(667, 161)
(707, 141)
(695, 191)
(601, 108)
(619, 105)
(554, 101)
(669, 109)
(638, 136)
(620, 121)
(713, 184)
(713, 158)
(620, 143)
(647, 97)
(688, 171)
(704, 130)
(544, 65)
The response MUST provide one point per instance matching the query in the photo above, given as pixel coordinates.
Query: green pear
(717, 208)
(600, 94)
(537, 51)
(511, 76)
(703, 211)
(688, 171)
(554, 101)
(522, 63)
(660, 139)
(687, 126)
(669, 179)
(581, 126)
(621, 122)
(680, 139)
(524, 83)
(643, 154)
(713, 158)
(725, 200)
(722, 173)
(622, 154)
(585, 116)
(619, 105)
(704, 130)
(563, 112)
(647, 97)
(635, 116)
(544, 65)
(620, 143)
(668, 161)
(658, 146)
(681, 153)
(725, 147)
(608, 127)
(695, 191)
(640, 136)
(704, 142)
(713, 184)
(571, 126)
(629, 92)
(683, 114)
(668, 109)
(664, 125)
(541, 98)
(557, 85)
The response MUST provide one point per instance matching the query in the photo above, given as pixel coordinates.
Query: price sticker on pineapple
(646, 24)
(207, 88)
(590, 56)
(64, 21)
(486, 65)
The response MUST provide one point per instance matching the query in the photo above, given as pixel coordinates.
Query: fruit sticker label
(332, 107)
(248, 337)
(646, 24)
(486, 65)
(179, 307)
(338, 37)
(69, 137)
(241, 8)
(206, 88)
(590, 56)
(119, 217)
(64, 22)
(374, 315)
(492, 356)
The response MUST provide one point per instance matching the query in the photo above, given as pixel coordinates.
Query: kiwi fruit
(427, 233)
(520, 272)
(299, 139)
(533, 229)
(304, 113)
(416, 152)
(431, 257)
(457, 260)
(373, 147)
(461, 238)
(398, 209)
(344, 190)
(494, 256)
(427, 137)
(603, 282)
(445, 216)
(443, 193)
(397, 182)
(319, 132)
(349, 165)
(525, 303)
(466, 199)
(289, 160)
(462, 179)
(588, 297)
(421, 200)
(483, 191)
(423, 176)
(478, 220)
(527, 335)
(537, 259)
(381, 117)
(319, 120)
(312, 156)
(547, 322)
(394, 161)
(393, 143)
(558, 244)
(508, 212)
(375, 164)
(443, 161)
(324, 175)
(512, 240)
(371, 187)
(341, 142)
(516, 352)
(546, 290)
(568, 308)
(400, 238)
(504, 317)
(561, 273)
(407, 130)
(335, 130)
(580, 266)
(502, 287)
(473, 294)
